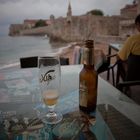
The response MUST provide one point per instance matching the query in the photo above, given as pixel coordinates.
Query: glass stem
(51, 109)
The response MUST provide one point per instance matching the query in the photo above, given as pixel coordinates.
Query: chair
(106, 66)
(30, 62)
(131, 84)
(64, 61)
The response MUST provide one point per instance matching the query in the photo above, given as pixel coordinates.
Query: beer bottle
(88, 80)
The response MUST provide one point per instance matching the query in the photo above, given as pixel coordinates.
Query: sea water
(14, 48)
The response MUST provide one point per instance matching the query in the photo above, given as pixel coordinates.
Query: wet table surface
(117, 116)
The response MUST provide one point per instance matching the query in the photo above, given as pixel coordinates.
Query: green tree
(96, 12)
(40, 23)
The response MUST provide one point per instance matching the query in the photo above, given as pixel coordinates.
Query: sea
(14, 48)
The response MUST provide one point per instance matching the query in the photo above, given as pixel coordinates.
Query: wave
(9, 65)
(58, 52)
(62, 50)
(66, 48)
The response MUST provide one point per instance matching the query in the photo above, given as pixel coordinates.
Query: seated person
(131, 46)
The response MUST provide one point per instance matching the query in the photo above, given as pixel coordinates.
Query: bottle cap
(89, 43)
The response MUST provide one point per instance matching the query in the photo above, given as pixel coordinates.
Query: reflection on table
(117, 116)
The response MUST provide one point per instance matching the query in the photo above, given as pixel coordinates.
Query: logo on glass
(47, 77)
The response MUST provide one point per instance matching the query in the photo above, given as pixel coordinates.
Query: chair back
(30, 62)
(122, 70)
(131, 83)
(133, 71)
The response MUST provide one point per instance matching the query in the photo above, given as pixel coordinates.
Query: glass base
(52, 118)
(46, 117)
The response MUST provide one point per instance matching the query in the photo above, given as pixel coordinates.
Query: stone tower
(138, 7)
(69, 13)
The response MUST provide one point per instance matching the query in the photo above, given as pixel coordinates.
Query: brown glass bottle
(88, 80)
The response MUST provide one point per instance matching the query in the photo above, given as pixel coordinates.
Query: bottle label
(83, 94)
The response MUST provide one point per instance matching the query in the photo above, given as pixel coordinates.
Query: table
(117, 116)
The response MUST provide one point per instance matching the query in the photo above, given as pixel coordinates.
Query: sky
(15, 11)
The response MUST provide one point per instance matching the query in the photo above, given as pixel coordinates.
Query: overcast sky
(15, 11)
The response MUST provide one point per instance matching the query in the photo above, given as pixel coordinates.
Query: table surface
(118, 116)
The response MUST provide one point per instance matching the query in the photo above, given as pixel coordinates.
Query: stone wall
(84, 27)
(34, 31)
(138, 8)
(80, 28)
(127, 28)
(15, 29)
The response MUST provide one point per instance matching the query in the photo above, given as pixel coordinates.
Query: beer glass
(49, 80)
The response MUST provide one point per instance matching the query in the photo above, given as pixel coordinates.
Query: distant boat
(45, 36)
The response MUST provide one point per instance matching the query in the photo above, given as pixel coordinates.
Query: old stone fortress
(77, 28)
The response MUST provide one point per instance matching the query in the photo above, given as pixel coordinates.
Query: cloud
(17, 11)
(6, 1)
(109, 7)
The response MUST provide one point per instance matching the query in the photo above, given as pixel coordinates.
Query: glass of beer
(50, 79)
